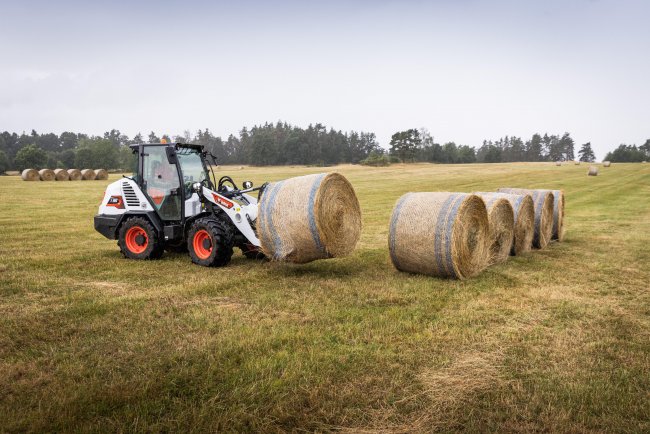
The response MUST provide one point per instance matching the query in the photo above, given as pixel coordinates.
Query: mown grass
(558, 340)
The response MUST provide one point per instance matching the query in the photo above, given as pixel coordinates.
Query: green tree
(645, 148)
(4, 162)
(153, 138)
(405, 144)
(586, 154)
(31, 156)
(626, 154)
(97, 152)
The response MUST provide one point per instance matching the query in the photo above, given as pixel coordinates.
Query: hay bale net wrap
(593, 171)
(46, 174)
(440, 234)
(524, 217)
(75, 174)
(30, 175)
(309, 217)
(61, 175)
(101, 174)
(501, 218)
(543, 201)
(88, 175)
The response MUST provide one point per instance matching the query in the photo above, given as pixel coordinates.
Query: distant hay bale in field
(88, 175)
(544, 210)
(607, 163)
(309, 217)
(46, 174)
(12, 173)
(593, 171)
(558, 163)
(440, 234)
(101, 174)
(30, 175)
(61, 175)
(577, 163)
(501, 218)
(75, 174)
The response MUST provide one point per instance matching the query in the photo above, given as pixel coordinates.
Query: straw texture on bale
(309, 217)
(593, 171)
(501, 218)
(543, 201)
(30, 175)
(75, 174)
(524, 216)
(607, 163)
(61, 175)
(440, 234)
(46, 174)
(88, 175)
(101, 174)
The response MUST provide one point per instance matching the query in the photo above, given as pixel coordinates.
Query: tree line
(284, 144)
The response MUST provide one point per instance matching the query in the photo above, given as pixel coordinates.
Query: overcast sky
(467, 70)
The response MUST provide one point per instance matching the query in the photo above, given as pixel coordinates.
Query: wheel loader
(171, 203)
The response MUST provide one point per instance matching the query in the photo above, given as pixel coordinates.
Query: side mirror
(247, 185)
(171, 155)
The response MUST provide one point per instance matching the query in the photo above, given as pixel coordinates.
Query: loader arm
(240, 213)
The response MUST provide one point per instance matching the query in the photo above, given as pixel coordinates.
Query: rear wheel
(209, 242)
(138, 239)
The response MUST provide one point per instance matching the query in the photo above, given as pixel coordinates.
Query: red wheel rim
(201, 239)
(136, 239)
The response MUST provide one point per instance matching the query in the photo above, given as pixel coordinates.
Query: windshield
(192, 168)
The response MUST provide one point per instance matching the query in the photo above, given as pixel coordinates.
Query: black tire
(214, 242)
(251, 252)
(138, 239)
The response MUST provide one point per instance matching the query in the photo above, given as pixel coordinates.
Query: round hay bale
(544, 211)
(577, 163)
(101, 174)
(593, 171)
(30, 175)
(46, 174)
(61, 175)
(309, 217)
(12, 173)
(607, 163)
(558, 163)
(524, 216)
(75, 174)
(88, 175)
(501, 218)
(440, 234)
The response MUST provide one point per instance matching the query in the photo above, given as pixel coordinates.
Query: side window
(161, 183)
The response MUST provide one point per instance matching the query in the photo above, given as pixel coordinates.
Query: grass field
(558, 340)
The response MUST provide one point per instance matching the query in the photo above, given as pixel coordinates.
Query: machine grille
(129, 195)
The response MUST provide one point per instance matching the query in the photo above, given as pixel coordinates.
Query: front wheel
(138, 239)
(209, 242)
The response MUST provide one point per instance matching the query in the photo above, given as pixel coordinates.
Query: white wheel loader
(171, 203)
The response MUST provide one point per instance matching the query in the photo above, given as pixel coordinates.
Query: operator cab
(166, 174)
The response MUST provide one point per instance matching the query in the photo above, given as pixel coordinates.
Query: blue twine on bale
(310, 209)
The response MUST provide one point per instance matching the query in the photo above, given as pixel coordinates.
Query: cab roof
(175, 145)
